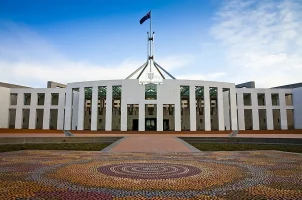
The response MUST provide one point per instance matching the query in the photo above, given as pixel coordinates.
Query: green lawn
(54, 146)
(246, 147)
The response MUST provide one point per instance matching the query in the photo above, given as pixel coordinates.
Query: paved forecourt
(150, 143)
(214, 175)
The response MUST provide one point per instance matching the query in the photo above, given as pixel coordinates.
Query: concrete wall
(297, 101)
(32, 119)
(4, 105)
(167, 93)
(265, 119)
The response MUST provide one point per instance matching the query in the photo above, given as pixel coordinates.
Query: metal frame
(150, 58)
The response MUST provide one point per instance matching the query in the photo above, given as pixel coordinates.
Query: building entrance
(150, 124)
(135, 125)
(166, 125)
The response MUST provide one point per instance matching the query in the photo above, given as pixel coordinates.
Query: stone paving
(188, 175)
(150, 143)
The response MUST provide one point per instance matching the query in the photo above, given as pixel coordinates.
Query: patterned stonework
(149, 170)
(203, 175)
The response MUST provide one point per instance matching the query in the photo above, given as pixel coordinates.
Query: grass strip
(246, 147)
(54, 146)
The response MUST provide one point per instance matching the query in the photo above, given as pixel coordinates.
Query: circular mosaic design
(149, 170)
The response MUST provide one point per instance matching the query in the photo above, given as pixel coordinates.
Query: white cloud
(26, 58)
(263, 40)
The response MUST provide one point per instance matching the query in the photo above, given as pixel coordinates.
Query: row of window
(247, 99)
(40, 99)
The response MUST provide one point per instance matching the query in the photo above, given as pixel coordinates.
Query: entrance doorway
(150, 124)
(166, 125)
(135, 124)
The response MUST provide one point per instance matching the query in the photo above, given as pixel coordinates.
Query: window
(289, 99)
(261, 99)
(247, 99)
(13, 98)
(27, 98)
(41, 99)
(54, 98)
(151, 91)
(275, 99)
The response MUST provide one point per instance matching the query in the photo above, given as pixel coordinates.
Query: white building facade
(172, 105)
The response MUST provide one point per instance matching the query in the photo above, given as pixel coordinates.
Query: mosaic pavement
(203, 175)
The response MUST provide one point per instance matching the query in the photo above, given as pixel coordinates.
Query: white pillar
(123, 115)
(226, 110)
(32, 111)
(81, 109)
(269, 111)
(108, 121)
(68, 109)
(94, 108)
(192, 108)
(160, 117)
(75, 109)
(177, 109)
(220, 108)
(240, 106)
(19, 111)
(141, 115)
(4, 107)
(46, 113)
(60, 120)
(255, 111)
(207, 111)
(283, 114)
(233, 108)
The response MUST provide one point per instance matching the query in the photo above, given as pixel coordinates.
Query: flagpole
(150, 23)
(150, 39)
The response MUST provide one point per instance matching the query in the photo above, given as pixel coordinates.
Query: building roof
(8, 85)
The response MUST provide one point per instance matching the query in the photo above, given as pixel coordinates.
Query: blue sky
(232, 41)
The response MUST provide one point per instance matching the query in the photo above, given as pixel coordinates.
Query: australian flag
(147, 16)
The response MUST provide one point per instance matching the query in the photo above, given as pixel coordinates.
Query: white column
(75, 109)
(60, 122)
(297, 96)
(207, 111)
(283, 114)
(269, 111)
(68, 109)
(233, 108)
(123, 115)
(226, 110)
(177, 109)
(32, 111)
(4, 107)
(192, 108)
(94, 108)
(19, 111)
(141, 115)
(46, 113)
(220, 108)
(160, 117)
(255, 111)
(108, 120)
(81, 109)
(240, 106)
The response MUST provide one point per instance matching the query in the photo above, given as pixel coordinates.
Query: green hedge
(246, 147)
(54, 146)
